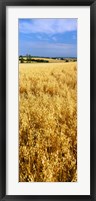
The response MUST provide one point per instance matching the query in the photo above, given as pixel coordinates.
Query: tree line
(29, 59)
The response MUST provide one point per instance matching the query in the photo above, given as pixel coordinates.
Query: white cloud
(47, 26)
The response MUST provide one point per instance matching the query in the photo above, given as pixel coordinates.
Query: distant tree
(66, 60)
(28, 56)
(20, 56)
(21, 59)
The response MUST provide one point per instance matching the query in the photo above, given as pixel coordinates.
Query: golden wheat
(48, 122)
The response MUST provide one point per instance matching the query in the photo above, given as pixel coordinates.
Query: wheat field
(48, 122)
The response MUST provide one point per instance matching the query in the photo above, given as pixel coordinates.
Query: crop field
(50, 60)
(48, 122)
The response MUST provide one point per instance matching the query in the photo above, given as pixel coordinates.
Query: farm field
(49, 60)
(48, 122)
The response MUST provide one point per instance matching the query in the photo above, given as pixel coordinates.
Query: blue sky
(48, 37)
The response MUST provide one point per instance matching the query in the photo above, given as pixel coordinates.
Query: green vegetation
(33, 59)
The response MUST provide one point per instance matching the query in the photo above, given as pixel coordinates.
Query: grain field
(48, 122)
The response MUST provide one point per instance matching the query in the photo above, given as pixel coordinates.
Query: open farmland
(49, 60)
(48, 122)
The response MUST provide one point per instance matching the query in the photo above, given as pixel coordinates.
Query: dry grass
(48, 122)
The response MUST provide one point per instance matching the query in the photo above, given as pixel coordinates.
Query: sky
(48, 37)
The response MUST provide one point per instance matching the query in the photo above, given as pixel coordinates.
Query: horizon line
(48, 56)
